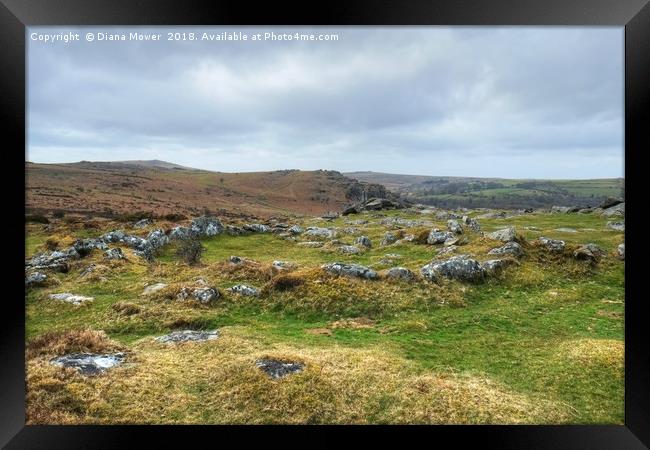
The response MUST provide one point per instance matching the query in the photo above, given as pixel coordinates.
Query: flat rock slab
(71, 298)
(89, 363)
(188, 335)
(153, 288)
(278, 369)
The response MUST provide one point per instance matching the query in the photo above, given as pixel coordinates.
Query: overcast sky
(512, 102)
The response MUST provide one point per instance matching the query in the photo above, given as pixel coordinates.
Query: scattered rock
(206, 226)
(460, 267)
(504, 235)
(438, 237)
(71, 298)
(616, 226)
(589, 252)
(283, 264)
(57, 260)
(616, 210)
(89, 363)
(554, 245)
(389, 238)
(621, 251)
(114, 253)
(157, 239)
(560, 209)
(364, 241)
(349, 249)
(472, 224)
(566, 230)
(352, 270)
(180, 233)
(494, 266)
(510, 248)
(35, 279)
(85, 246)
(400, 273)
(295, 229)
(244, 290)
(202, 294)
(236, 259)
(188, 335)
(324, 233)
(454, 226)
(256, 227)
(278, 369)
(153, 288)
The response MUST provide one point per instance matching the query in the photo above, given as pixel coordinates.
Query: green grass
(510, 330)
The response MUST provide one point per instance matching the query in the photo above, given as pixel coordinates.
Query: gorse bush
(190, 251)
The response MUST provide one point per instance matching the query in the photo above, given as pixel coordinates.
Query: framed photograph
(351, 218)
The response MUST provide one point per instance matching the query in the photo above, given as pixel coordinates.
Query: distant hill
(495, 192)
(160, 187)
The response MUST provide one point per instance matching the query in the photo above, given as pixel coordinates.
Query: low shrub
(190, 251)
(36, 218)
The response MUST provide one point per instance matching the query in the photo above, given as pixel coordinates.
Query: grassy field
(541, 343)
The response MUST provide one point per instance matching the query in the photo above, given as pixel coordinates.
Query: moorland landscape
(157, 293)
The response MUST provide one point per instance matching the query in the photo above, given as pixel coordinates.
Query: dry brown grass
(247, 270)
(59, 343)
(599, 352)
(218, 382)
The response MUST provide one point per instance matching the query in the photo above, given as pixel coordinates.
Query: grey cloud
(436, 100)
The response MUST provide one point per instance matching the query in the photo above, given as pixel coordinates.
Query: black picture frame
(634, 15)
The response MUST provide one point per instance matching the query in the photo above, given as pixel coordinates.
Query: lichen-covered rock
(349, 249)
(114, 253)
(188, 336)
(89, 363)
(621, 251)
(510, 248)
(589, 252)
(554, 245)
(295, 229)
(205, 226)
(157, 239)
(283, 264)
(616, 210)
(389, 238)
(439, 237)
(472, 224)
(494, 266)
(57, 260)
(363, 241)
(35, 279)
(113, 236)
(233, 230)
(400, 273)
(508, 234)
(235, 259)
(278, 369)
(85, 246)
(71, 298)
(205, 294)
(244, 290)
(454, 226)
(460, 267)
(351, 270)
(180, 233)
